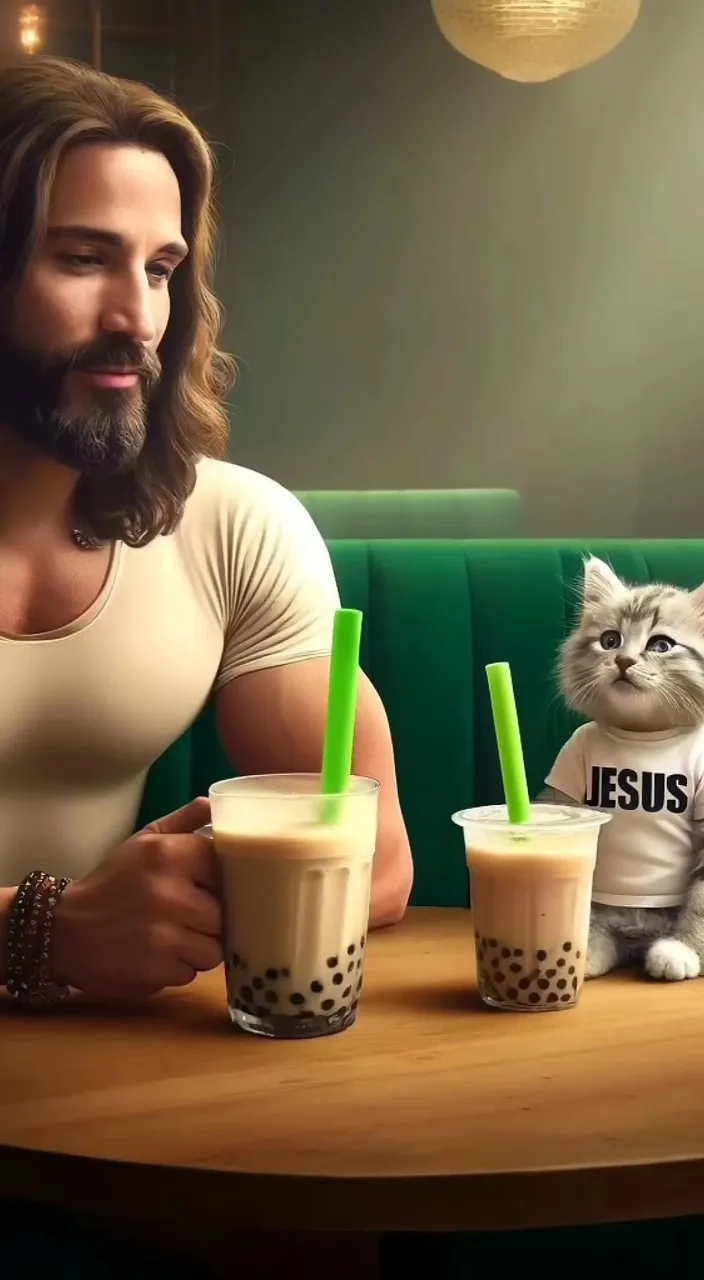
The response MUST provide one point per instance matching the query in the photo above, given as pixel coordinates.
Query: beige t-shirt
(652, 785)
(244, 583)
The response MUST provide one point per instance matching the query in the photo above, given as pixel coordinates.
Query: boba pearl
(510, 975)
(273, 994)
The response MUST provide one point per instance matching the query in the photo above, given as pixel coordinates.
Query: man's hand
(147, 917)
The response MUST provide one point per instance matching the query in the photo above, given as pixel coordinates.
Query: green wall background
(434, 277)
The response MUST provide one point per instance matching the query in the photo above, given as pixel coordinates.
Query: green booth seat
(415, 513)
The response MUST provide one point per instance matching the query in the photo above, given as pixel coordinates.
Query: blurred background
(434, 277)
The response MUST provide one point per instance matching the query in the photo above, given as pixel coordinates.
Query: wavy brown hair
(48, 105)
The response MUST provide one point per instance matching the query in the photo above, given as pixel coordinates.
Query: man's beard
(106, 434)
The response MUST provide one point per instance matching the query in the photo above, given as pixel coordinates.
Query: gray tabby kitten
(661, 655)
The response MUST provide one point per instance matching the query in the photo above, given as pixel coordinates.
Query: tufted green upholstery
(435, 613)
(415, 513)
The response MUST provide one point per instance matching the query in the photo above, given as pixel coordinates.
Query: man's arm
(273, 721)
(6, 899)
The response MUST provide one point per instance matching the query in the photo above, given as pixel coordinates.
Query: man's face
(78, 350)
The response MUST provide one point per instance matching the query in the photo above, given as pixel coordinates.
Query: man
(139, 575)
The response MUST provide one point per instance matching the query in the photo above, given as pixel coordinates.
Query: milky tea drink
(295, 895)
(531, 892)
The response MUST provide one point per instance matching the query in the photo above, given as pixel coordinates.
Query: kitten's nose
(623, 662)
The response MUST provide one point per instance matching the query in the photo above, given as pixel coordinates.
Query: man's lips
(115, 379)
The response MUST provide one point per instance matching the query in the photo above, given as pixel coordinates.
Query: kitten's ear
(696, 598)
(601, 584)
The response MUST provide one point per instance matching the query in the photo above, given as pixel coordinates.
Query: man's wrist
(64, 935)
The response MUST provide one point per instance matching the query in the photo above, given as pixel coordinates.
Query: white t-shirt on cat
(653, 785)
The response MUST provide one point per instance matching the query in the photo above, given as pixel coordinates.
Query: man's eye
(160, 271)
(80, 259)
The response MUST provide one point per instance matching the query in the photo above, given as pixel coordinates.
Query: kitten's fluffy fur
(663, 691)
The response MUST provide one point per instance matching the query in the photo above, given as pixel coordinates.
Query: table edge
(303, 1202)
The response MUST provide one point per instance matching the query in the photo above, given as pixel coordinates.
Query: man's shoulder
(227, 495)
(231, 482)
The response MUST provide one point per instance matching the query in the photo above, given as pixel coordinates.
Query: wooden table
(432, 1113)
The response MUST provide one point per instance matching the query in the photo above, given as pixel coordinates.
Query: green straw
(342, 706)
(508, 738)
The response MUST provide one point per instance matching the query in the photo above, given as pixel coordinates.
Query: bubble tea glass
(295, 893)
(531, 895)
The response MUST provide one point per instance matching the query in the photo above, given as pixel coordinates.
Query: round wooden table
(431, 1113)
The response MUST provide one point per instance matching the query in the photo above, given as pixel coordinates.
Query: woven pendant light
(535, 40)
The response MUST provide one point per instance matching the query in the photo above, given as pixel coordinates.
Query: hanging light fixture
(535, 40)
(32, 21)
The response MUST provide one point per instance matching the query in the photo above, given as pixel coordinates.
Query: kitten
(634, 667)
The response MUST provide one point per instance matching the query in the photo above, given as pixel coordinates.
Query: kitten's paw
(670, 960)
(602, 955)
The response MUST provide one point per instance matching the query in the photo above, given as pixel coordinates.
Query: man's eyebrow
(97, 235)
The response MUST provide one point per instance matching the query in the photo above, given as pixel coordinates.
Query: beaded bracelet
(29, 937)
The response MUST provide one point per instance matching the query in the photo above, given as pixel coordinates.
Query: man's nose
(128, 310)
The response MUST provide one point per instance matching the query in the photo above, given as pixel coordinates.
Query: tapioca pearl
(346, 992)
(578, 955)
(316, 987)
(235, 960)
(562, 983)
(271, 997)
(305, 1013)
(575, 984)
(524, 984)
(495, 962)
(500, 977)
(541, 955)
(518, 951)
(561, 962)
(354, 1004)
(363, 941)
(327, 1005)
(505, 953)
(359, 963)
(534, 998)
(567, 946)
(350, 967)
(247, 994)
(550, 973)
(262, 1012)
(285, 973)
(360, 984)
(331, 962)
(552, 998)
(351, 949)
(297, 998)
(271, 975)
(566, 999)
(543, 984)
(338, 979)
(515, 967)
(258, 984)
(571, 970)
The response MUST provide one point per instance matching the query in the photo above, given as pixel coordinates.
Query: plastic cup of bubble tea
(531, 868)
(531, 899)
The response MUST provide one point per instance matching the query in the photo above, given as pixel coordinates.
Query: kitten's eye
(660, 644)
(610, 640)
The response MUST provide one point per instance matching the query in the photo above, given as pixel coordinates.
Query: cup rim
(494, 817)
(219, 789)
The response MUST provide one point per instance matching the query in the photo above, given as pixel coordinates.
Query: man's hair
(47, 106)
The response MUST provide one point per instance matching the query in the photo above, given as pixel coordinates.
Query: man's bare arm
(273, 721)
(6, 899)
